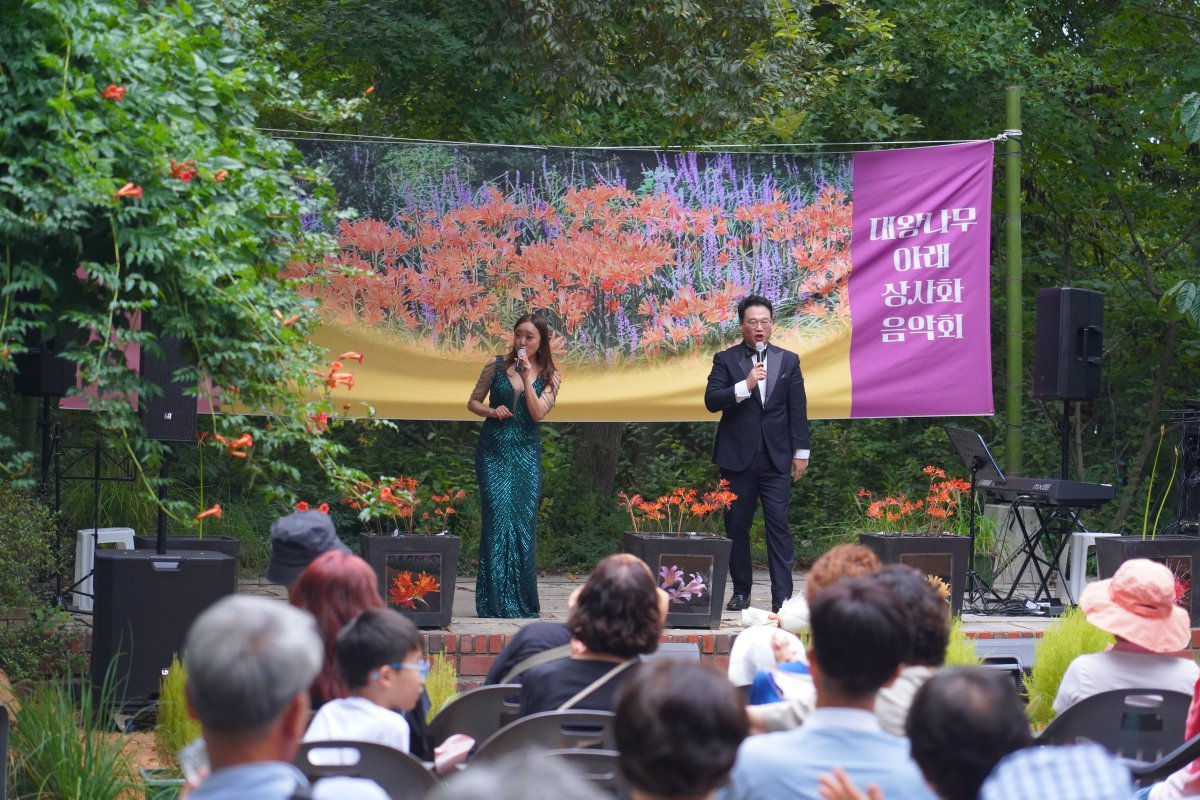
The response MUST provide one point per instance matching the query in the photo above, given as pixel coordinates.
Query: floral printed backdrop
(631, 255)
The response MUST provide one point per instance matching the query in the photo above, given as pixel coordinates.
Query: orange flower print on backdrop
(620, 272)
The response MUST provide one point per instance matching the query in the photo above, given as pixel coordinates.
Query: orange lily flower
(130, 189)
(215, 511)
(113, 92)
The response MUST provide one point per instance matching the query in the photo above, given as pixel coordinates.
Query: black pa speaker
(42, 371)
(171, 417)
(1069, 344)
(144, 605)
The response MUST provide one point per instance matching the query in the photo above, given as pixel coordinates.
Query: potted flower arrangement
(408, 542)
(691, 565)
(925, 532)
(1179, 552)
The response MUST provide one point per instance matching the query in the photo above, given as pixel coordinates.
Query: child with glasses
(379, 654)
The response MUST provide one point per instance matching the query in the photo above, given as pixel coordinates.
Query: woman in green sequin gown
(521, 389)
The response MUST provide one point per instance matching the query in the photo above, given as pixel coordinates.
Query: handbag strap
(536, 660)
(596, 684)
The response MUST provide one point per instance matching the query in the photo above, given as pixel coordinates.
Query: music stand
(975, 456)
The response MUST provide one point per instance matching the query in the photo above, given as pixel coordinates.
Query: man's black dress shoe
(737, 603)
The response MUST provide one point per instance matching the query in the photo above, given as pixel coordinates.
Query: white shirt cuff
(740, 392)
(801, 454)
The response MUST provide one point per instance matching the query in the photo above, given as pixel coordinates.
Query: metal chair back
(1142, 724)
(551, 730)
(478, 713)
(402, 776)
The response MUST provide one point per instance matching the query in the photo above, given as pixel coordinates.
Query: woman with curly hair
(617, 616)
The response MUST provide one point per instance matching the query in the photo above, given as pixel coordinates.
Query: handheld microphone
(761, 349)
(521, 351)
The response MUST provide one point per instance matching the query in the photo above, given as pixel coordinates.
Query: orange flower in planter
(389, 505)
(936, 512)
(677, 507)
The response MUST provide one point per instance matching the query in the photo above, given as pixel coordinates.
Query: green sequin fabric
(508, 466)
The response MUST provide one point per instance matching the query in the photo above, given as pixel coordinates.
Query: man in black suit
(762, 439)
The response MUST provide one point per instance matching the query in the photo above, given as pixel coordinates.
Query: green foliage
(1189, 116)
(26, 547)
(1061, 643)
(139, 200)
(579, 72)
(174, 727)
(62, 751)
(442, 683)
(46, 645)
(960, 651)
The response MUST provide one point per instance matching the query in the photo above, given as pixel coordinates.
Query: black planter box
(421, 556)
(229, 545)
(1179, 553)
(941, 554)
(675, 559)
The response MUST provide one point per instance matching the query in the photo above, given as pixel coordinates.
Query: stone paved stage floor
(474, 642)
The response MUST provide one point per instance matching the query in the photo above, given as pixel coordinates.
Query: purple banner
(919, 282)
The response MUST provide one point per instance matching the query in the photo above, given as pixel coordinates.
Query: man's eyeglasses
(758, 323)
(421, 666)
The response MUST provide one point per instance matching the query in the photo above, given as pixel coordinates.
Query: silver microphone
(761, 349)
(521, 351)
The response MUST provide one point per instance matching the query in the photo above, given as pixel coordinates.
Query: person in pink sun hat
(1137, 606)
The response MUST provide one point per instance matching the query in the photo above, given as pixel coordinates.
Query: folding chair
(402, 776)
(478, 713)
(551, 730)
(1141, 724)
(598, 766)
(1145, 773)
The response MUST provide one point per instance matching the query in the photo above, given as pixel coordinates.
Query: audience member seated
(249, 663)
(335, 588)
(296, 541)
(527, 775)
(379, 655)
(617, 617)
(678, 729)
(841, 561)
(859, 637)
(962, 722)
(971, 739)
(1137, 605)
(535, 643)
(1074, 772)
(929, 618)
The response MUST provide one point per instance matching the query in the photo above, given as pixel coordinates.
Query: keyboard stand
(1052, 520)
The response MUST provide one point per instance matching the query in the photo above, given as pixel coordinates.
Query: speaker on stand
(1068, 352)
(146, 600)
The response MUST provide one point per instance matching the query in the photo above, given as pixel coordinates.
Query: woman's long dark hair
(543, 351)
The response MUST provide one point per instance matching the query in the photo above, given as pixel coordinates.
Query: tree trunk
(597, 451)
(1150, 426)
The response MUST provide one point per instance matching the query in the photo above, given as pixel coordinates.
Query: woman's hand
(501, 412)
(523, 367)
